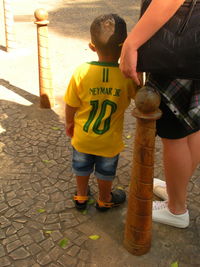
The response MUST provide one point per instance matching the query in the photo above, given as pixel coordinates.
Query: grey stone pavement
(39, 225)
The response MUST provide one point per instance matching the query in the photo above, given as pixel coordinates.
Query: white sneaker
(159, 189)
(161, 214)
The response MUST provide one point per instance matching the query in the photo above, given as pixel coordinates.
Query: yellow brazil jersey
(101, 93)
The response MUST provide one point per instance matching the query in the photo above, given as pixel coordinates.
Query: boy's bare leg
(105, 188)
(82, 186)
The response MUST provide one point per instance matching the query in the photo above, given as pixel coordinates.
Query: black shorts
(169, 126)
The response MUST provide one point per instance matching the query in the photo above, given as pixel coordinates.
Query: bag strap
(185, 23)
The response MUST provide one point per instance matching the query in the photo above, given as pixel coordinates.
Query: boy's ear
(92, 47)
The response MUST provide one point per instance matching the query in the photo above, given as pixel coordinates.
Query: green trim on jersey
(106, 64)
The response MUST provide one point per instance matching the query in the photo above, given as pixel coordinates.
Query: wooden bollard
(9, 25)
(45, 76)
(137, 238)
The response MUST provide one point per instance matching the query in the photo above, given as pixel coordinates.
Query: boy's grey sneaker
(118, 197)
(81, 206)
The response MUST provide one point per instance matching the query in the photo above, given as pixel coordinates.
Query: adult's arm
(156, 15)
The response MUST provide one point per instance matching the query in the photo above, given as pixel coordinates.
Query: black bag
(175, 49)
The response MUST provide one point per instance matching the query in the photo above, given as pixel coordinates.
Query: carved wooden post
(45, 77)
(9, 25)
(137, 239)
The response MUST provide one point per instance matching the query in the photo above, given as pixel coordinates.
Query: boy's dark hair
(108, 32)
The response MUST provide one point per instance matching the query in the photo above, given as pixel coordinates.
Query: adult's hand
(128, 61)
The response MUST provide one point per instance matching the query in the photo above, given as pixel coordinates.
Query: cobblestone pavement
(38, 223)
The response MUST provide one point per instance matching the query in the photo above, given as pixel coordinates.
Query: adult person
(180, 143)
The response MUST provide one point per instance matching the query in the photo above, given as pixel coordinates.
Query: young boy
(96, 99)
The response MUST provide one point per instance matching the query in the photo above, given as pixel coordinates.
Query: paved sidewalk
(38, 223)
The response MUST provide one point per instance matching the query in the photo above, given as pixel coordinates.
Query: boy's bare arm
(69, 119)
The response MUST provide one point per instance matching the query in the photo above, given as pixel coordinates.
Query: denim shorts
(104, 168)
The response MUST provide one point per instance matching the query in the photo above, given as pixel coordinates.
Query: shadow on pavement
(30, 97)
(3, 48)
(31, 107)
(36, 207)
(68, 19)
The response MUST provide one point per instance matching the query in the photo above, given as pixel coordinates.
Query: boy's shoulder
(81, 67)
(97, 64)
(80, 70)
(93, 67)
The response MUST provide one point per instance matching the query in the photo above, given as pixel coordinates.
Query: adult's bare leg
(194, 145)
(180, 158)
